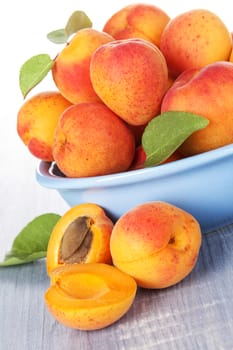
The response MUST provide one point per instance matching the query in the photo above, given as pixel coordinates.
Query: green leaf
(166, 132)
(33, 71)
(78, 20)
(31, 243)
(58, 36)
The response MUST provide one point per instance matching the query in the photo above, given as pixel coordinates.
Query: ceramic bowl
(201, 184)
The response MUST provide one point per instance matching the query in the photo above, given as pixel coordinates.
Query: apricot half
(89, 296)
(82, 235)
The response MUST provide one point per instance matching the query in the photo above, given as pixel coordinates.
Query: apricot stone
(82, 235)
(91, 140)
(156, 243)
(36, 122)
(89, 296)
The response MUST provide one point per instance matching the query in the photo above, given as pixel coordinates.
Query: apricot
(89, 296)
(130, 76)
(156, 243)
(91, 140)
(82, 235)
(207, 92)
(71, 66)
(195, 39)
(37, 119)
(140, 20)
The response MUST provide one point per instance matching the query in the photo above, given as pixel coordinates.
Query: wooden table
(195, 314)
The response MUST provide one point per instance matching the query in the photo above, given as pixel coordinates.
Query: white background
(23, 28)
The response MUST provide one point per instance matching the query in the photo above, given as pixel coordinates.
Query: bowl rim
(131, 176)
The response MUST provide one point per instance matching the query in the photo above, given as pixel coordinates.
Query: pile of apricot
(111, 83)
(95, 266)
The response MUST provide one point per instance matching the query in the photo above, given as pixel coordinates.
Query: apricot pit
(76, 241)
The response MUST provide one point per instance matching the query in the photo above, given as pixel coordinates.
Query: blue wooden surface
(195, 314)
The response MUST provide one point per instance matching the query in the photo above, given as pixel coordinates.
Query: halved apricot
(89, 296)
(82, 235)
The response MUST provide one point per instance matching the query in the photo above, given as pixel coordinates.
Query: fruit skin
(156, 243)
(130, 76)
(37, 119)
(91, 140)
(71, 66)
(89, 296)
(195, 39)
(207, 92)
(140, 20)
(101, 229)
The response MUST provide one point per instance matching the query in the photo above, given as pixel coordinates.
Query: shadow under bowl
(201, 184)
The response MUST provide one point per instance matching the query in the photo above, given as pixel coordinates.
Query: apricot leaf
(78, 20)
(33, 71)
(58, 36)
(166, 132)
(31, 243)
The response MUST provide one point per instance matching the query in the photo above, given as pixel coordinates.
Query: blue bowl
(201, 184)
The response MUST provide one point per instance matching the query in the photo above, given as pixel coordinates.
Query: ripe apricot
(145, 21)
(82, 235)
(89, 296)
(194, 39)
(71, 66)
(36, 122)
(214, 103)
(131, 77)
(91, 140)
(156, 243)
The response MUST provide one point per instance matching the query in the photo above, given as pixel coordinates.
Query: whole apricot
(195, 39)
(145, 21)
(207, 92)
(130, 76)
(91, 140)
(71, 69)
(156, 243)
(37, 119)
(89, 296)
(82, 235)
